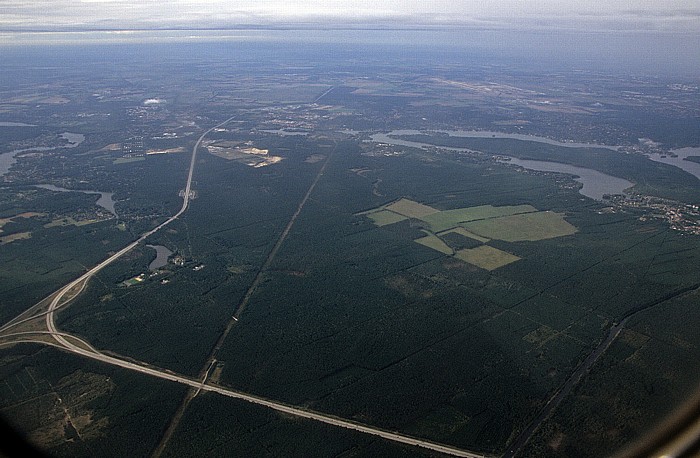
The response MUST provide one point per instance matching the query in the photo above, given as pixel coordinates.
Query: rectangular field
(447, 219)
(523, 227)
(385, 217)
(462, 231)
(411, 209)
(486, 257)
(434, 242)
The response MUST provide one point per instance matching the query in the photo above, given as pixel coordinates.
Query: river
(162, 255)
(529, 138)
(105, 201)
(595, 183)
(7, 160)
(679, 160)
(15, 124)
(284, 133)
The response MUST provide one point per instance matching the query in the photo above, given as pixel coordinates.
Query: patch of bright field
(434, 242)
(447, 219)
(523, 227)
(68, 221)
(13, 237)
(462, 231)
(385, 217)
(127, 160)
(4, 221)
(411, 209)
(486, 257)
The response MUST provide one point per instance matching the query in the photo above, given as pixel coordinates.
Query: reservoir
(680, 160)
(595, 183)
(15, 124)
(8, 159)
(284, 133)
(529, 138)
(105, 201)
(162, 255)
(386, 138)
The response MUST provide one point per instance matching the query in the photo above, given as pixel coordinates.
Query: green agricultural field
(486, 257)
(128, 160)
(435, 242)
(13, 237)
(475, 226)
(447, 219)
(385, 217)
(68, 221)
(523, 227)
(462, 231)
(411, 209)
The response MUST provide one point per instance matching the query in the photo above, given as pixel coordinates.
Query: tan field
(523, 227)
(436, 243)
(385, 217)
(486, 257)
(411, 209)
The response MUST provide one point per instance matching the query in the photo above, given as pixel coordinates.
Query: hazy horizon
(636, 35)
(585, 15)
(663, 54)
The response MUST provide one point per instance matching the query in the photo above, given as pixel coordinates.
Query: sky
(663, 16)
(655, 36)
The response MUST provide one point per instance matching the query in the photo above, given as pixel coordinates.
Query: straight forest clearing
(517, 223)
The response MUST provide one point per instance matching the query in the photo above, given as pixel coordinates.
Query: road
(278, 406)
(259, 276)
(56, 302)
(84, 349)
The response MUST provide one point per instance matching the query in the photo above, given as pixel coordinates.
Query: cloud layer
(674, 16)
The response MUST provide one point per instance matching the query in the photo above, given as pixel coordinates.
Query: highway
(84, 349)
(55, 303)
(278, 406)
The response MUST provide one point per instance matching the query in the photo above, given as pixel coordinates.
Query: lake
(7, 160)
(162, 255)
(105, 200)
(679, 161)
(15, 124)
(595, 183)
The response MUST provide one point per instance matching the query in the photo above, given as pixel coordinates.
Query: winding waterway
(595, 184)
(15, 124)
(529, 138)
(105, 200)
(284, 133)
(7, 160)
(680, 159)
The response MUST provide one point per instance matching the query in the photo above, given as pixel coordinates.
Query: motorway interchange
(37, 325)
